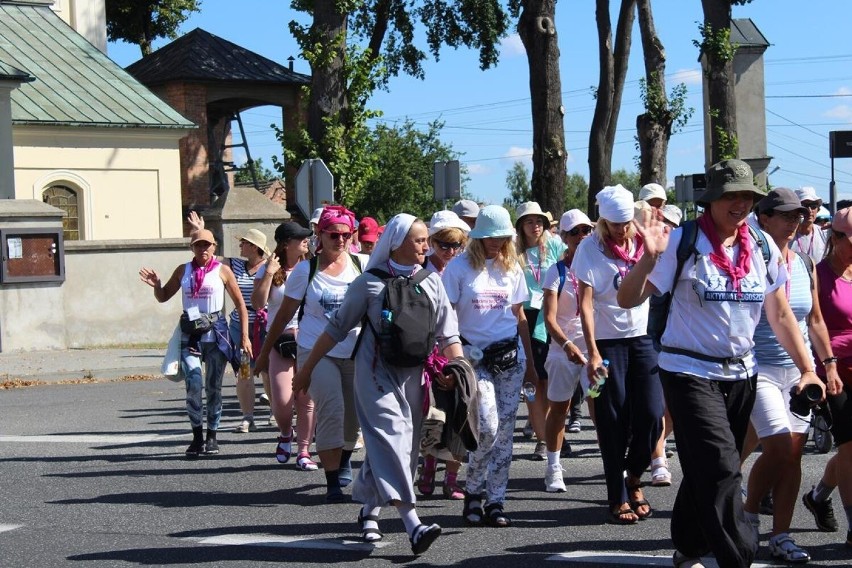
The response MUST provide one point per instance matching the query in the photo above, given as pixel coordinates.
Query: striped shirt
(246, 285)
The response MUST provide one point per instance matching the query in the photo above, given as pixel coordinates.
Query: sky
(487, 116)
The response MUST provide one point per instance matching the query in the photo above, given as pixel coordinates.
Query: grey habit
(388, 399)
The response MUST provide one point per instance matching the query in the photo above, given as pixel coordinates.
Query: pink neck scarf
(198, 274)
(718, 256)
(623, 253)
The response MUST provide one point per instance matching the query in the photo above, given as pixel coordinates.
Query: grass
(7, 383)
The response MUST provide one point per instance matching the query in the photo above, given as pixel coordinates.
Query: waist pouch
(200, 326)
(285, 345)
(500, 356)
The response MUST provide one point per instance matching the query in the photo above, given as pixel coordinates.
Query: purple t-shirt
(835, 301)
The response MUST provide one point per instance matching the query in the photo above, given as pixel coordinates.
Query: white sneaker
(272, 421)
(553, 481)
(782, 547)
(245, 427)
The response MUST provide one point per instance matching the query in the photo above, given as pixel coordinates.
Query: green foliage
(629, 180)
(262, 172)
(666, 110)
(716, 44)
(518, 184)
(401, 179)
(576, 192)
(143, 21)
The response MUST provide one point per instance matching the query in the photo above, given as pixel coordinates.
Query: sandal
(617, 517)
(783, 548)
(660, 474)
(637, 500)
(305, 463)
(451, 487)
(369, 534)
(472, 511)
(494, 516)
(423, 537)
(426, 481)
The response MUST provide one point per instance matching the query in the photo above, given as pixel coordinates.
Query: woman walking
(707, 364)
(389, 398)
(629, 409)
(204, 339)
(316, 289)
(269, 290)
(487, 288)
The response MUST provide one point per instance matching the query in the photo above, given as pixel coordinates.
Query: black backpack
(658, 313)
(407, 335)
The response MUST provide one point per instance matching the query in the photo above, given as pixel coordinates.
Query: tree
(401, 177)
(613, 58)
(715, 46)
(143, 21)
(537, 29)
(518, 184)
(244, 175)
(630, 180)
(576, 192)
(661, 118)
(344, 75)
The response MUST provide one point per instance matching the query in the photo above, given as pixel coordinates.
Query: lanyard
(576, 287)
(536, 272)
(810, 244)
(790, 257)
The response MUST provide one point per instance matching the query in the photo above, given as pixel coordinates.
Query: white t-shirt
(706, 316)
(324, 295)
(813, 245)
(604, 275)
(276, 298)
(484, 299)
(567, 316)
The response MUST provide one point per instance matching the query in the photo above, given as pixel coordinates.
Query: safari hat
(531, 208)
(493, 221)
(256, 238)
(729, 176)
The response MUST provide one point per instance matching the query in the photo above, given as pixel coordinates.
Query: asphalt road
(94, 475)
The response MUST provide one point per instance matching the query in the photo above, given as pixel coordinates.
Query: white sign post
(314, 186)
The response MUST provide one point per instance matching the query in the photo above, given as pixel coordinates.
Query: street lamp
(775, 169)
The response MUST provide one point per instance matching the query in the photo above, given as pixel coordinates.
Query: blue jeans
(214, 370)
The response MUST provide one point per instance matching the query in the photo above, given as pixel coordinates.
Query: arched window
(66, 199)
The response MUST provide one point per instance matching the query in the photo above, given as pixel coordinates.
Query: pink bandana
(198, 274)
(718, 256)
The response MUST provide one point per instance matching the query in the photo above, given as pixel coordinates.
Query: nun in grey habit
(389, 399)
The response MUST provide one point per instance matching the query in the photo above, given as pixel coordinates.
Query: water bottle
(529, 391)
(601, 373)
(472, 354)
(245, 366)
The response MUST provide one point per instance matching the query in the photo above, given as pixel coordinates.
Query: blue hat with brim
(493, 221)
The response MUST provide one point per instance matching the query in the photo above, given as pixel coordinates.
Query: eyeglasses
(811, 204)
(335, 236)
(584, 229)
(791, 216)
(447, 246)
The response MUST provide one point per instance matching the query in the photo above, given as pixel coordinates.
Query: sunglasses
(811, 204)
(447, 246)
(336, 236)
(790, 216)
(584, 229)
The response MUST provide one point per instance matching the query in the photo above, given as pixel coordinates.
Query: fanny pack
(285, 345)
(500, 356)
(200, 326)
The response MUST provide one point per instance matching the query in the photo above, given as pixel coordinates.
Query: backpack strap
(313, 263)
(809, 264)
(560, 267)
(758, 237)
(685, 249)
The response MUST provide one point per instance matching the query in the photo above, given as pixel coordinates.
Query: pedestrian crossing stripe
(292, 542)
(628, 559)
(91, 438)
(7, 528)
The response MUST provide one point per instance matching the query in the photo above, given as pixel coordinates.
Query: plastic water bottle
(529, 391)
(245, 366)
(601, 373)
(472, 354)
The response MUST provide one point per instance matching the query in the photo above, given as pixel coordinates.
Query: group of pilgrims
(726, 329)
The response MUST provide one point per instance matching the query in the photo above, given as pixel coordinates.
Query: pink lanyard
(576, 286)
(810, 245)
(536, 273)
(790, 256)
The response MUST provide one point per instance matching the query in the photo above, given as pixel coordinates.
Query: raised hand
(654, 231)
(149, 277)
(195, 220)
(273, 264)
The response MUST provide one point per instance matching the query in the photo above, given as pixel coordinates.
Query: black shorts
(841, 416)
(539, 348)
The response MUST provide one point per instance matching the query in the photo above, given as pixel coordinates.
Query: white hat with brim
(673, 214)
(652, 191)
(807, 193)
(493, 221)
(573, 218)
(446, 220)
(532, 208)
(256, 238)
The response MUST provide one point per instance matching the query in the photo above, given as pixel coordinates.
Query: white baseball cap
(572, 218)
(652, 191)
(807, 193)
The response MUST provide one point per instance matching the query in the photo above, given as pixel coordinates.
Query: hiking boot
(197, 446)
(553, 480)
(823, 512)
(211, 446)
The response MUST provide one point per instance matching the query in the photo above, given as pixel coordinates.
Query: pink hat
(842, 222)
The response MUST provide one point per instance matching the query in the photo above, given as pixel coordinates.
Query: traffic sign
(314, 186)
(446, 180)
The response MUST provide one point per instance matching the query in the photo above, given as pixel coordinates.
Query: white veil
(394, 235)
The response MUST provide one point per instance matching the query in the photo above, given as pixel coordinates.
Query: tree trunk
(613, 70)
(720, 85)
(537, 29)
(654, 127)
(328, 82)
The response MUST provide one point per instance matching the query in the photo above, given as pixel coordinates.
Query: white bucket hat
(807, 193)
(446, 220)
(652, 191)
(532, 208)
(673, 214)
(493, 221)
